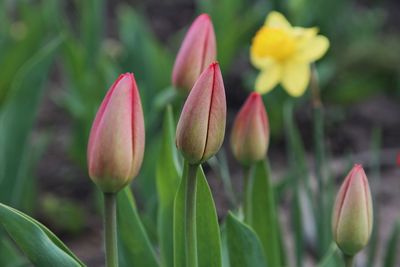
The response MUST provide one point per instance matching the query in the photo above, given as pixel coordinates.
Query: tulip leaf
(208, 234)
(17, 117)
(167, 174)
(332, 258)
(245, 249)
(37, 242)
(263, 217)
(134, 242)
(392, 248)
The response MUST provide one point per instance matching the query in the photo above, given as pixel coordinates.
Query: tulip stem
(110, 229)
(190, 224)
(247, 194)
(319, 148)
(348, 260)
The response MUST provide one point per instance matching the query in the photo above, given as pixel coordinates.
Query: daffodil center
(276, 43)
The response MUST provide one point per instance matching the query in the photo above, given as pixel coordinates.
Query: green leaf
(167, 174)
(17, 118)
(332, 258)
(208, 233)
(263, 217)
(40, 245)
(9, 255)
(392, 248)
(245, 249)
(136, 247)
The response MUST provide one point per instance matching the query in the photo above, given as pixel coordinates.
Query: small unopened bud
(352, 214)
(198, 50)
(201, 127)
(116, 142)
(250, 132)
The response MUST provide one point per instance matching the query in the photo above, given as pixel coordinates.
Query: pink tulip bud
(250, 132)
(116, 142)
(352, 213)
(201, 127)
(198, 50)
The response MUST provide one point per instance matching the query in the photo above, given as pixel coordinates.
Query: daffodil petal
(277, 20)
(295, 78)
(268, 79)
(260, 62)
(313, 50)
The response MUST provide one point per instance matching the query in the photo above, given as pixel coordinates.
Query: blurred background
(58, 58)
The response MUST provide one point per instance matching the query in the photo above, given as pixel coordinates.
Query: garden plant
(121, 140)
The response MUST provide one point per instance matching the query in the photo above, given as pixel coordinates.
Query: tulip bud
(116, 142)
(201, 127)
(198, 50)
(250, 132)
(352, 213)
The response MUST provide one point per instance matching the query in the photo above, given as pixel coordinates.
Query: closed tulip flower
(116, 142)
(198, 50)
(352, 214)
(250, 132)
(201, 127)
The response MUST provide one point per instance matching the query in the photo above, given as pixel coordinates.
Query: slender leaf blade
(263, 214)
(245, 249)
(132, 235)
(37, 242)
(208, 232)
(167, 175)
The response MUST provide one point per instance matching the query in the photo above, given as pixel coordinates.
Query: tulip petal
(313, 49)
(197, 51)
(353, 228)
(277, 20)
(217, 116)
(268, 79)
(295, 78)
(250, 131)
(111, 151)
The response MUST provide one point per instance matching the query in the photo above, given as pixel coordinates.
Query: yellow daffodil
(284, 53)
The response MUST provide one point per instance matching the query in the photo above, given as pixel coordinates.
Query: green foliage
(392, 247)
(40, 245)
(262, 215)
(168, 177)
(136, 249)
(17, 118)
(208, 239)
(245, 249)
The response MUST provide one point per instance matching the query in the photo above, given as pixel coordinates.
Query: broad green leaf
(40, 245)
(392, 248)
(136, 247)
(9, 255)
(167, 174)
(245, 249)
(332, 258)
(17, 118)
(263, 217)
(208, 233)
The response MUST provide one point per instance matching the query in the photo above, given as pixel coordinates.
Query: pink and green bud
(116, 142)
(198, 50)
(250, 132)
(352, 213)
(201, 127)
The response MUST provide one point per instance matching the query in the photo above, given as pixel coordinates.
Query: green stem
(348, 260)
(246, 198)
(319, 159)
(190, 222)
(110, 228)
